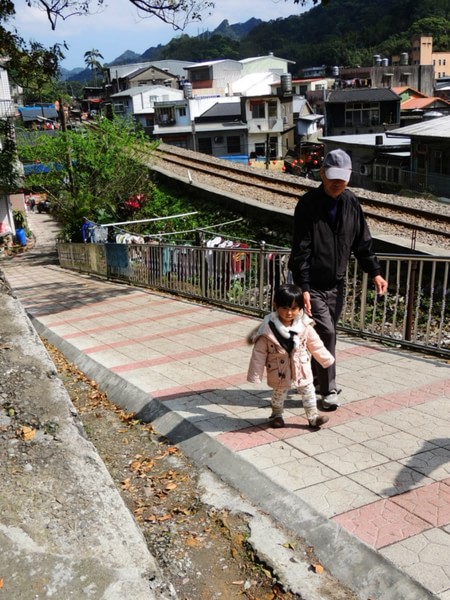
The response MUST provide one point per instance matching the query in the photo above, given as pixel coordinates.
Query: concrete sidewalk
(370, 491)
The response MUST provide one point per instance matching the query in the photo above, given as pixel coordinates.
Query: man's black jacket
(325, 238)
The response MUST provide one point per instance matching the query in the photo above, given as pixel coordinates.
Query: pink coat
(284, 370)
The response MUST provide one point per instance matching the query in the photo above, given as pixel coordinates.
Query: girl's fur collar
(298, 326)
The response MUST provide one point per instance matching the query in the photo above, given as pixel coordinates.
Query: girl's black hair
(286, 295)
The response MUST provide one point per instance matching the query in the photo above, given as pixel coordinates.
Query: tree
(91, 58)
(92, 172)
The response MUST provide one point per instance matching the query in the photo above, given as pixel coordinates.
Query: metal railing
(415, 313)
(7, 108)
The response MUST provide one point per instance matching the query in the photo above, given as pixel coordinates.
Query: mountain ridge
(345, 33)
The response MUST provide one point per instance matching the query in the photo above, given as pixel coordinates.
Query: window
(273, 142)
(364, 114)
(182, 111)
(440, 162)
(164, 116)
(387, 173)
(200, 74)
(258, 109)
(233, 144)
(272, 107)
(205, 145)
(260, 149)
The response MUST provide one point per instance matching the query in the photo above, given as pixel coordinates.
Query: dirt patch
(203, 551)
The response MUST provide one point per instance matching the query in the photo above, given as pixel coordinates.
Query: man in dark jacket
(328, 226)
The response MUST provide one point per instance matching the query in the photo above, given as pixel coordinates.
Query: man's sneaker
(276, 421)
(330, 401)
(318, 421)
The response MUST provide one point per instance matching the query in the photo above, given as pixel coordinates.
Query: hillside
(344, 32)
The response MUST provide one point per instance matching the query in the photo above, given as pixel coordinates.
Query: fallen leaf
(1, 582)
(193, 542)
(171, 486)
(27, 433)
(289, 545)
(165, 517)
(317, 568)
(238, 582)
(151, 518)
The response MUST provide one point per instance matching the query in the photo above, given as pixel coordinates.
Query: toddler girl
(283, 344)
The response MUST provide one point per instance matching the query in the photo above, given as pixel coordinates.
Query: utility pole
(62, 118)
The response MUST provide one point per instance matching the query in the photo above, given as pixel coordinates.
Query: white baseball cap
(338, 165)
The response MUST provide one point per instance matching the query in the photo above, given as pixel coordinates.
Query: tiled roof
(419, 103)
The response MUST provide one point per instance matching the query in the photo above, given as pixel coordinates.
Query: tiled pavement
(371, 488)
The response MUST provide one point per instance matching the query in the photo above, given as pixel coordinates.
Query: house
(214, 76)
(422, 54)
(378, 159)
(429, 168)
(308, 123)
(268, 63)
(160, 72)
(269, 119)
(365, 110)
(210, 124)
(139, 103)
(219, 76)
(246, 121)
(414, 105)
(384, 75)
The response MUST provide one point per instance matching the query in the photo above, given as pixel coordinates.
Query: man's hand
(307, 303)
(381, 285)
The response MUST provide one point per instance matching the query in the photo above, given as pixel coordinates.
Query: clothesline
(149, 220)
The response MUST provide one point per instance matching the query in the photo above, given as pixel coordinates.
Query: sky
(119, 27)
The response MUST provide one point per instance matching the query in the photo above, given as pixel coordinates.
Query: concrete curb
(65, 531)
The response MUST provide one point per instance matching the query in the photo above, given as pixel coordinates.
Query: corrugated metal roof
(362, 95)
(435, 128)
(209, 63)
(367, 139)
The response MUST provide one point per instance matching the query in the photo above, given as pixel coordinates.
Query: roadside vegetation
(91, 172)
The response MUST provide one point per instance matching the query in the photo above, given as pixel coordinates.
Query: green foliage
(345, 33)
(92, 171)
(9, 165)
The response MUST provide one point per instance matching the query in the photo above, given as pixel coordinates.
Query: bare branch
(177, 13)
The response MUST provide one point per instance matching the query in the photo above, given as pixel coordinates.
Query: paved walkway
(370, 491)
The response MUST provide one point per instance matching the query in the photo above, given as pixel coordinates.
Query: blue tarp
(31, 113)
(37, 168)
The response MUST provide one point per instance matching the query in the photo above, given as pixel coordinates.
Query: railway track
(278, 189)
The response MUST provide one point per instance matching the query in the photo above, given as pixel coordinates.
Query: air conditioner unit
(365, 170)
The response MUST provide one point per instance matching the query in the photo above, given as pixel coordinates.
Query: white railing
(415, 313)
(7, 109)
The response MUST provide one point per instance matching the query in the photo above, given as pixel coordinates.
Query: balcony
(7, 109)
